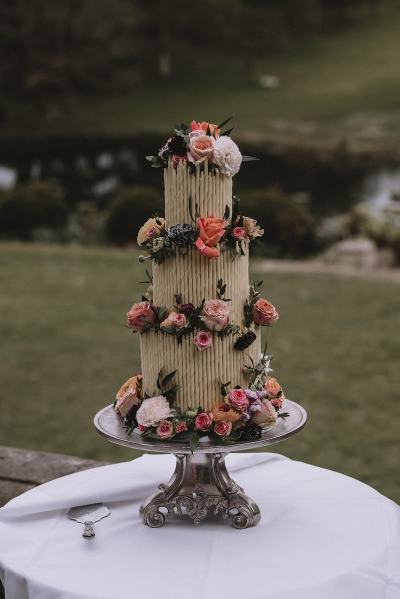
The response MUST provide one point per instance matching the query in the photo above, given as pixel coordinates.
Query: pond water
(93, 169)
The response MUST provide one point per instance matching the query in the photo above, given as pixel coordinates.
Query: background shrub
(30, 207)
(129, 210)
(289, 228)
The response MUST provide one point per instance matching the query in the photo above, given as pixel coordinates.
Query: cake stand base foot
(200, 487)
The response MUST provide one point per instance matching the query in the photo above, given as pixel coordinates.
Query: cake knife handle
(88, 531)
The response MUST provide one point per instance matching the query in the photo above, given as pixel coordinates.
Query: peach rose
(215, 315)
(151, 228)
(200, 148)
(223, 428)
(222, 411)
(141, 317)
(204, 127)
(274, 393)
(211, 229)
(128, 395)
(169, 322)
(264, 312)
(266, 416)
(252, 229)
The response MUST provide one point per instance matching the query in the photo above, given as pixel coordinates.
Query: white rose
(227, 155)
(153, 410)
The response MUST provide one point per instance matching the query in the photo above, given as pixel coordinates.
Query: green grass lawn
(64, 352)
(352, 72)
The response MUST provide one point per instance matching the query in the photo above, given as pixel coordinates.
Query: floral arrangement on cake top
(208, 234)
(202, 143)
(241, 414)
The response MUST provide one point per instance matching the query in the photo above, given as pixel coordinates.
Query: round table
(321, 535)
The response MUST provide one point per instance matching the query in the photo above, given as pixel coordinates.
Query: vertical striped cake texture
(199, 373)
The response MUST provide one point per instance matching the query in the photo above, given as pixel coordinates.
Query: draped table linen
(322, 535)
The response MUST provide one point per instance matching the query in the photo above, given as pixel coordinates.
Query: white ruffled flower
(227, 155)
(153, 410)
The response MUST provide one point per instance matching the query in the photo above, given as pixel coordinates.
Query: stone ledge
(22, 469)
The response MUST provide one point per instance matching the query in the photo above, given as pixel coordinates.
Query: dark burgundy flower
(187, 309)
(250, 432)
(177, 145)
(244, 341)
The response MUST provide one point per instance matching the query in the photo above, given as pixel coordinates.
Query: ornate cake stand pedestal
(200, 485)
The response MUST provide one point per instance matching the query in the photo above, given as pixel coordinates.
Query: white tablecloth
(322, 535)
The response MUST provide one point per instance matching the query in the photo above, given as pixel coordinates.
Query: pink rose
(181, 427)
(238, 400)
(141, 317)
(203, 340)
(165, 429)
(239, 233)
(206, 251)
(264, 312)
(200, 148)
(215, 314)
(203, 421)
(180, 321)
(223, 428)
(142, 428)
(169, 322)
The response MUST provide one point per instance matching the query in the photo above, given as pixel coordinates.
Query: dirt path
(321, 267)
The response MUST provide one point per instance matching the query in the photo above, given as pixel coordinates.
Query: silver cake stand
(200, 485)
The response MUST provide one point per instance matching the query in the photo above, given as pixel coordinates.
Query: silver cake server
(88, 515)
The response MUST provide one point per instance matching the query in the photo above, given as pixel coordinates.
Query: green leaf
(168, 378)
(227, 212)
(228, 131)
(249, 158)
(194, 441)
(224, 122)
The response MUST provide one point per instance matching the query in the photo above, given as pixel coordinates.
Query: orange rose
(222, 412)
(274, 393)
(264, 312)
(169, 323)
(129, 395)
(211, 229)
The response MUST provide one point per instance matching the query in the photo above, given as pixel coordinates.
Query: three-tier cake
(203, 371)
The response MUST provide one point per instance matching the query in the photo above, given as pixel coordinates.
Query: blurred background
(88, 89)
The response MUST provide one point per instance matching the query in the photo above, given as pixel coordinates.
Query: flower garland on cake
(208, 234)
(211, 318)
(202, 143)
(240, 415)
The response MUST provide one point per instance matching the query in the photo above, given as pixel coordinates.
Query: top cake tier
(210, 193)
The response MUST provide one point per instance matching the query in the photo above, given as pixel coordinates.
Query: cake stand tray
(200, 485)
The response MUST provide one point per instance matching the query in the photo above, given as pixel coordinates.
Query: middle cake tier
(199, 373)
